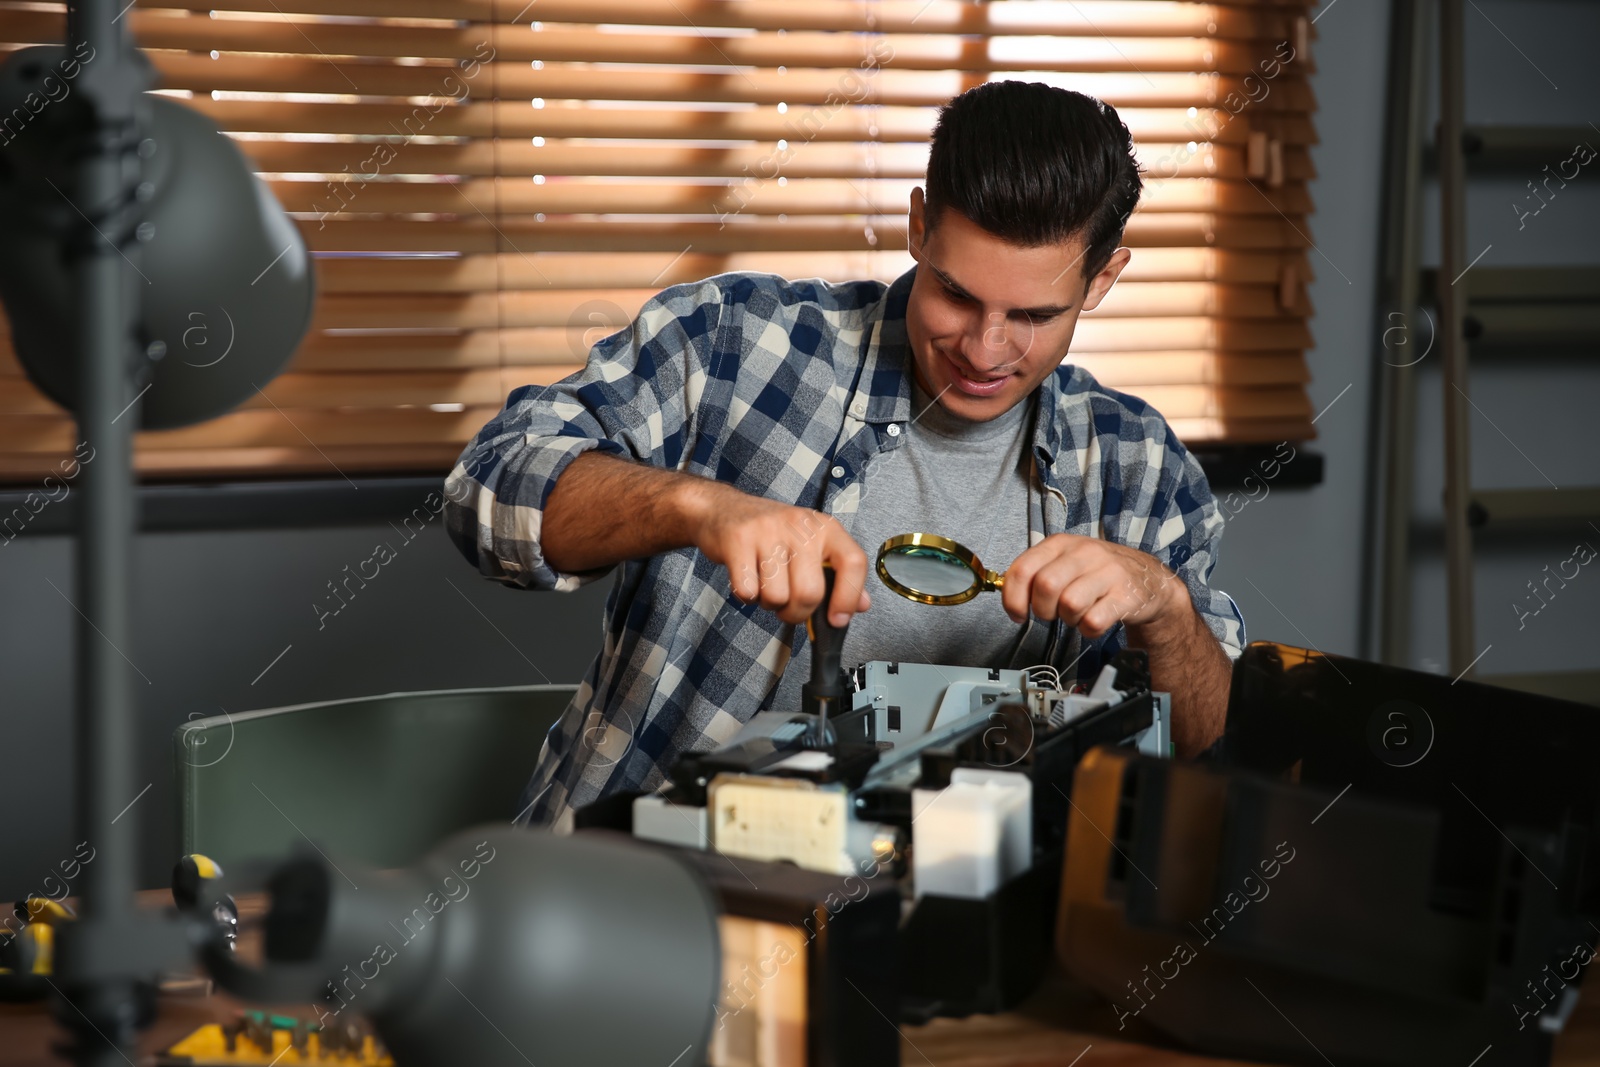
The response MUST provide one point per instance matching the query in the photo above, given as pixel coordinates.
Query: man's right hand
(605, 509)
(775, 553)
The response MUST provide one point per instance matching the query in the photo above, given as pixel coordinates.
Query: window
(487, 194)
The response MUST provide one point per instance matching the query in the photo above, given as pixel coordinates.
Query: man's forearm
(605, 509)
(1187, 660)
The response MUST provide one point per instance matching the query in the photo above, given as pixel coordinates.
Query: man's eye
(1039, 320)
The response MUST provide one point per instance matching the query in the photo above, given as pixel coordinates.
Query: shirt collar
(1049, 427)
(885, 392)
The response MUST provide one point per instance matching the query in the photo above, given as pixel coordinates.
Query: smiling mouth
(973, 377)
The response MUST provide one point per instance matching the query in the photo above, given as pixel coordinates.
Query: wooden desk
(1063, 1018)
(1053, 1028)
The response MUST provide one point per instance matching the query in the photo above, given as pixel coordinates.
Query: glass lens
(928, 570)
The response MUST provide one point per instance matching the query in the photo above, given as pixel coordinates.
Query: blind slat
(561, 118)
(819, 196)
(617, 307)
(796, 87)
(745, 234)
(1120, 370)
(477, 349)
(1155, 18)
(522, 363)
(907, 51)
(584, 271)
(753, 163)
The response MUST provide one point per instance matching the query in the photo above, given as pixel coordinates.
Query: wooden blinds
(492, 185)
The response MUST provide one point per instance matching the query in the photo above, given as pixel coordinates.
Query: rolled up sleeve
(635, 398)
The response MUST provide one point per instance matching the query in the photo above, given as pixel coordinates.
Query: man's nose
(996, 344)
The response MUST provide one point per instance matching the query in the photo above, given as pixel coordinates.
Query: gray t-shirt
(969, 481)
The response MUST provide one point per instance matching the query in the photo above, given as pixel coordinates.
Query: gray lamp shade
(503, 946)
(223, 279)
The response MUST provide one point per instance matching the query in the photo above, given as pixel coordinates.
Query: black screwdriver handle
(824, 694)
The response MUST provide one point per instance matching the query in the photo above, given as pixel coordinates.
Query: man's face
(989, 320)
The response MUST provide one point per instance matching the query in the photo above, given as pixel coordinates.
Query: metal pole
(104, 331)
(1408, 91)
(1452, 312)
(104, 1004)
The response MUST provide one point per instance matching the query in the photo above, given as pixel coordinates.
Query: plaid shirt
(782, 389)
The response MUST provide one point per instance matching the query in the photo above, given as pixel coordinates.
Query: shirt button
(838, 472)
(894, 429)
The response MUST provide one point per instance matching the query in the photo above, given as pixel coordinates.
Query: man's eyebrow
(1044, 312)
(951, 284)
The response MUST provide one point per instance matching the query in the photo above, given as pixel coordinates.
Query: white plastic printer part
(656, 819)
(781, 819)
(1105, 685)
(974, 835)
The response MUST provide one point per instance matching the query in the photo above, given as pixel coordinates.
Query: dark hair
(1035, 165)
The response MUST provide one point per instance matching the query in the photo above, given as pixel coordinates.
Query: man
(746, 430)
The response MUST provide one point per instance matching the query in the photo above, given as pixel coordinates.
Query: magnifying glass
(930, 569)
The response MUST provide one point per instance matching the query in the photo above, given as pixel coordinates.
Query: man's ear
(1101, 283)
(916, 224)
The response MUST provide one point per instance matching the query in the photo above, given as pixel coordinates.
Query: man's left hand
(1091, 584)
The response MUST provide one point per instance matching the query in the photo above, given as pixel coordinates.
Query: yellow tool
(43, 910)
(259, 1038)
(31, 950)
(27, 953)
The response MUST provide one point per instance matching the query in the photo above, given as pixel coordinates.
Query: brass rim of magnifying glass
(987, 580)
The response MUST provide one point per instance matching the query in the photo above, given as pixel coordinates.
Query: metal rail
(1452, 336)
(1404, 337)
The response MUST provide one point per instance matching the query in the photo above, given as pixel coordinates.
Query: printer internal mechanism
(944, 788)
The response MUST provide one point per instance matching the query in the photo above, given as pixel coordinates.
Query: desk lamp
(501, 947)
(122, 213)
(129, 222)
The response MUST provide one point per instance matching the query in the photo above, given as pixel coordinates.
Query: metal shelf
(1546, 306)
(1515, 147)
(1534, 506)
(1527, 284)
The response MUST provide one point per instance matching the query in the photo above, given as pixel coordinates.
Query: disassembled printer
(935, 798)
